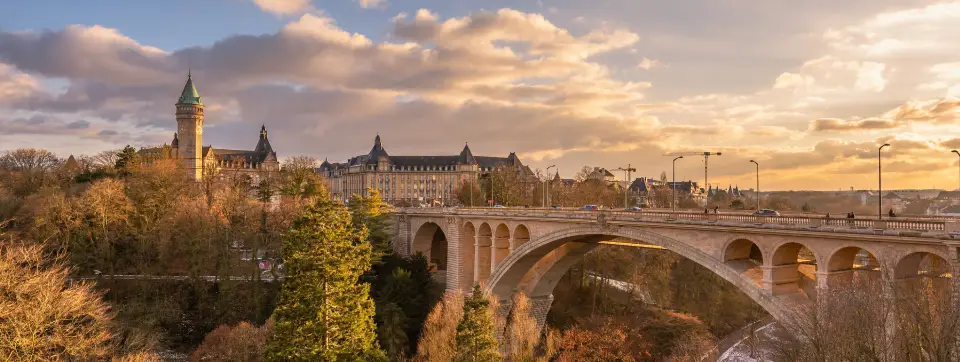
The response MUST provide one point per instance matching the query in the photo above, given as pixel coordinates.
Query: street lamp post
(626, 172)
(958, 167)
(880, 183)
(674, 196)
(545, 181)
(758, 183)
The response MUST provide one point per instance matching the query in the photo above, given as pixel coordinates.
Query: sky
(808, 89)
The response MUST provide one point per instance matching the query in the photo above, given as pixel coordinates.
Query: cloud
(120, 60)
(833, 124)
(647, 64)
(15, 85)
(373, 4)
(953, 143)
(39, 124)
(933, 111)
(508, 80)
(81, 124)
(286, 7)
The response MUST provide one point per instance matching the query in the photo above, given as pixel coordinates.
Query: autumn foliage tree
(45, 318)
(438, 340)
(242, 342)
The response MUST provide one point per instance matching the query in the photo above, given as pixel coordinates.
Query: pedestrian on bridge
(891, 213)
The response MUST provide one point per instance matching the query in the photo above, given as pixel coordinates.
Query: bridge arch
(793, 267)
(580, 239)
(431, 240)
(501, 244)
(484, 244)
(847, 257)
(921, 263)
(521, 235)
(740, 248)
(468, 249)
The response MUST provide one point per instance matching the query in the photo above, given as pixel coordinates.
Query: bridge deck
(905, 227)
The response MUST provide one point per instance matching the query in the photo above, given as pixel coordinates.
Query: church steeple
(189, 94)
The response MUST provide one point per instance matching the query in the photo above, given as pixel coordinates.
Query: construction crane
(627, 172)
(706, 156)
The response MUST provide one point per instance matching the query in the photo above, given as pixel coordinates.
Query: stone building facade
(427, 180)
(200, 161)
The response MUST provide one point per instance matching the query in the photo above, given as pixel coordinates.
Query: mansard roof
(425, 160)
(465, 157)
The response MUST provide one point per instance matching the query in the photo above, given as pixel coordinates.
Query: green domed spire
(189, 94)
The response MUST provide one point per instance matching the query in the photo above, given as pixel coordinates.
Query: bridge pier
(776, 276)
(539, 308)
(453, 279)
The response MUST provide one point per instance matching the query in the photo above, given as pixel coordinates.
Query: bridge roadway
(779, 262)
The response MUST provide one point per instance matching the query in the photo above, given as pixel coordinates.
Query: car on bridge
(766, 212)
(498, 206)
(633, 209)
(590, 208)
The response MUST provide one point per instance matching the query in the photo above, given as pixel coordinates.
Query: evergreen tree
(127, 160)
(475, 340)
(370, 212)
(407, 283)
(392, 330)
(324, 314)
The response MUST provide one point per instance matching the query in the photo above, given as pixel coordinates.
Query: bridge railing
(723, 218)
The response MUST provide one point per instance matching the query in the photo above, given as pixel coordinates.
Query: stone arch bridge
(776, 261)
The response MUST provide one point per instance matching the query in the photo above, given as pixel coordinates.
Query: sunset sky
(809, 89)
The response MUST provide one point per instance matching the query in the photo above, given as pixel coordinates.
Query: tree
(42, 318)
(737, 204)
(392, 330)
(243, 342)
(468, 189)
(777, 203)
(438, 340)
(29, 169)
(300, 177)
(107, 209)
(506, 186)
(127, 161)
(407, 283)
(475, 340)
(521, 331)
(370, 212)
(398, 294)
(806, 207)
(324, 313)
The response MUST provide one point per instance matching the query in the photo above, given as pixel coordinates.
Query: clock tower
(190, 129)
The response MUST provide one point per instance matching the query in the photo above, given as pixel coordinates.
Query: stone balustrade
(939, 228)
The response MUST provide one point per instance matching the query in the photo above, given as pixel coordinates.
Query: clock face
(199, 128)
